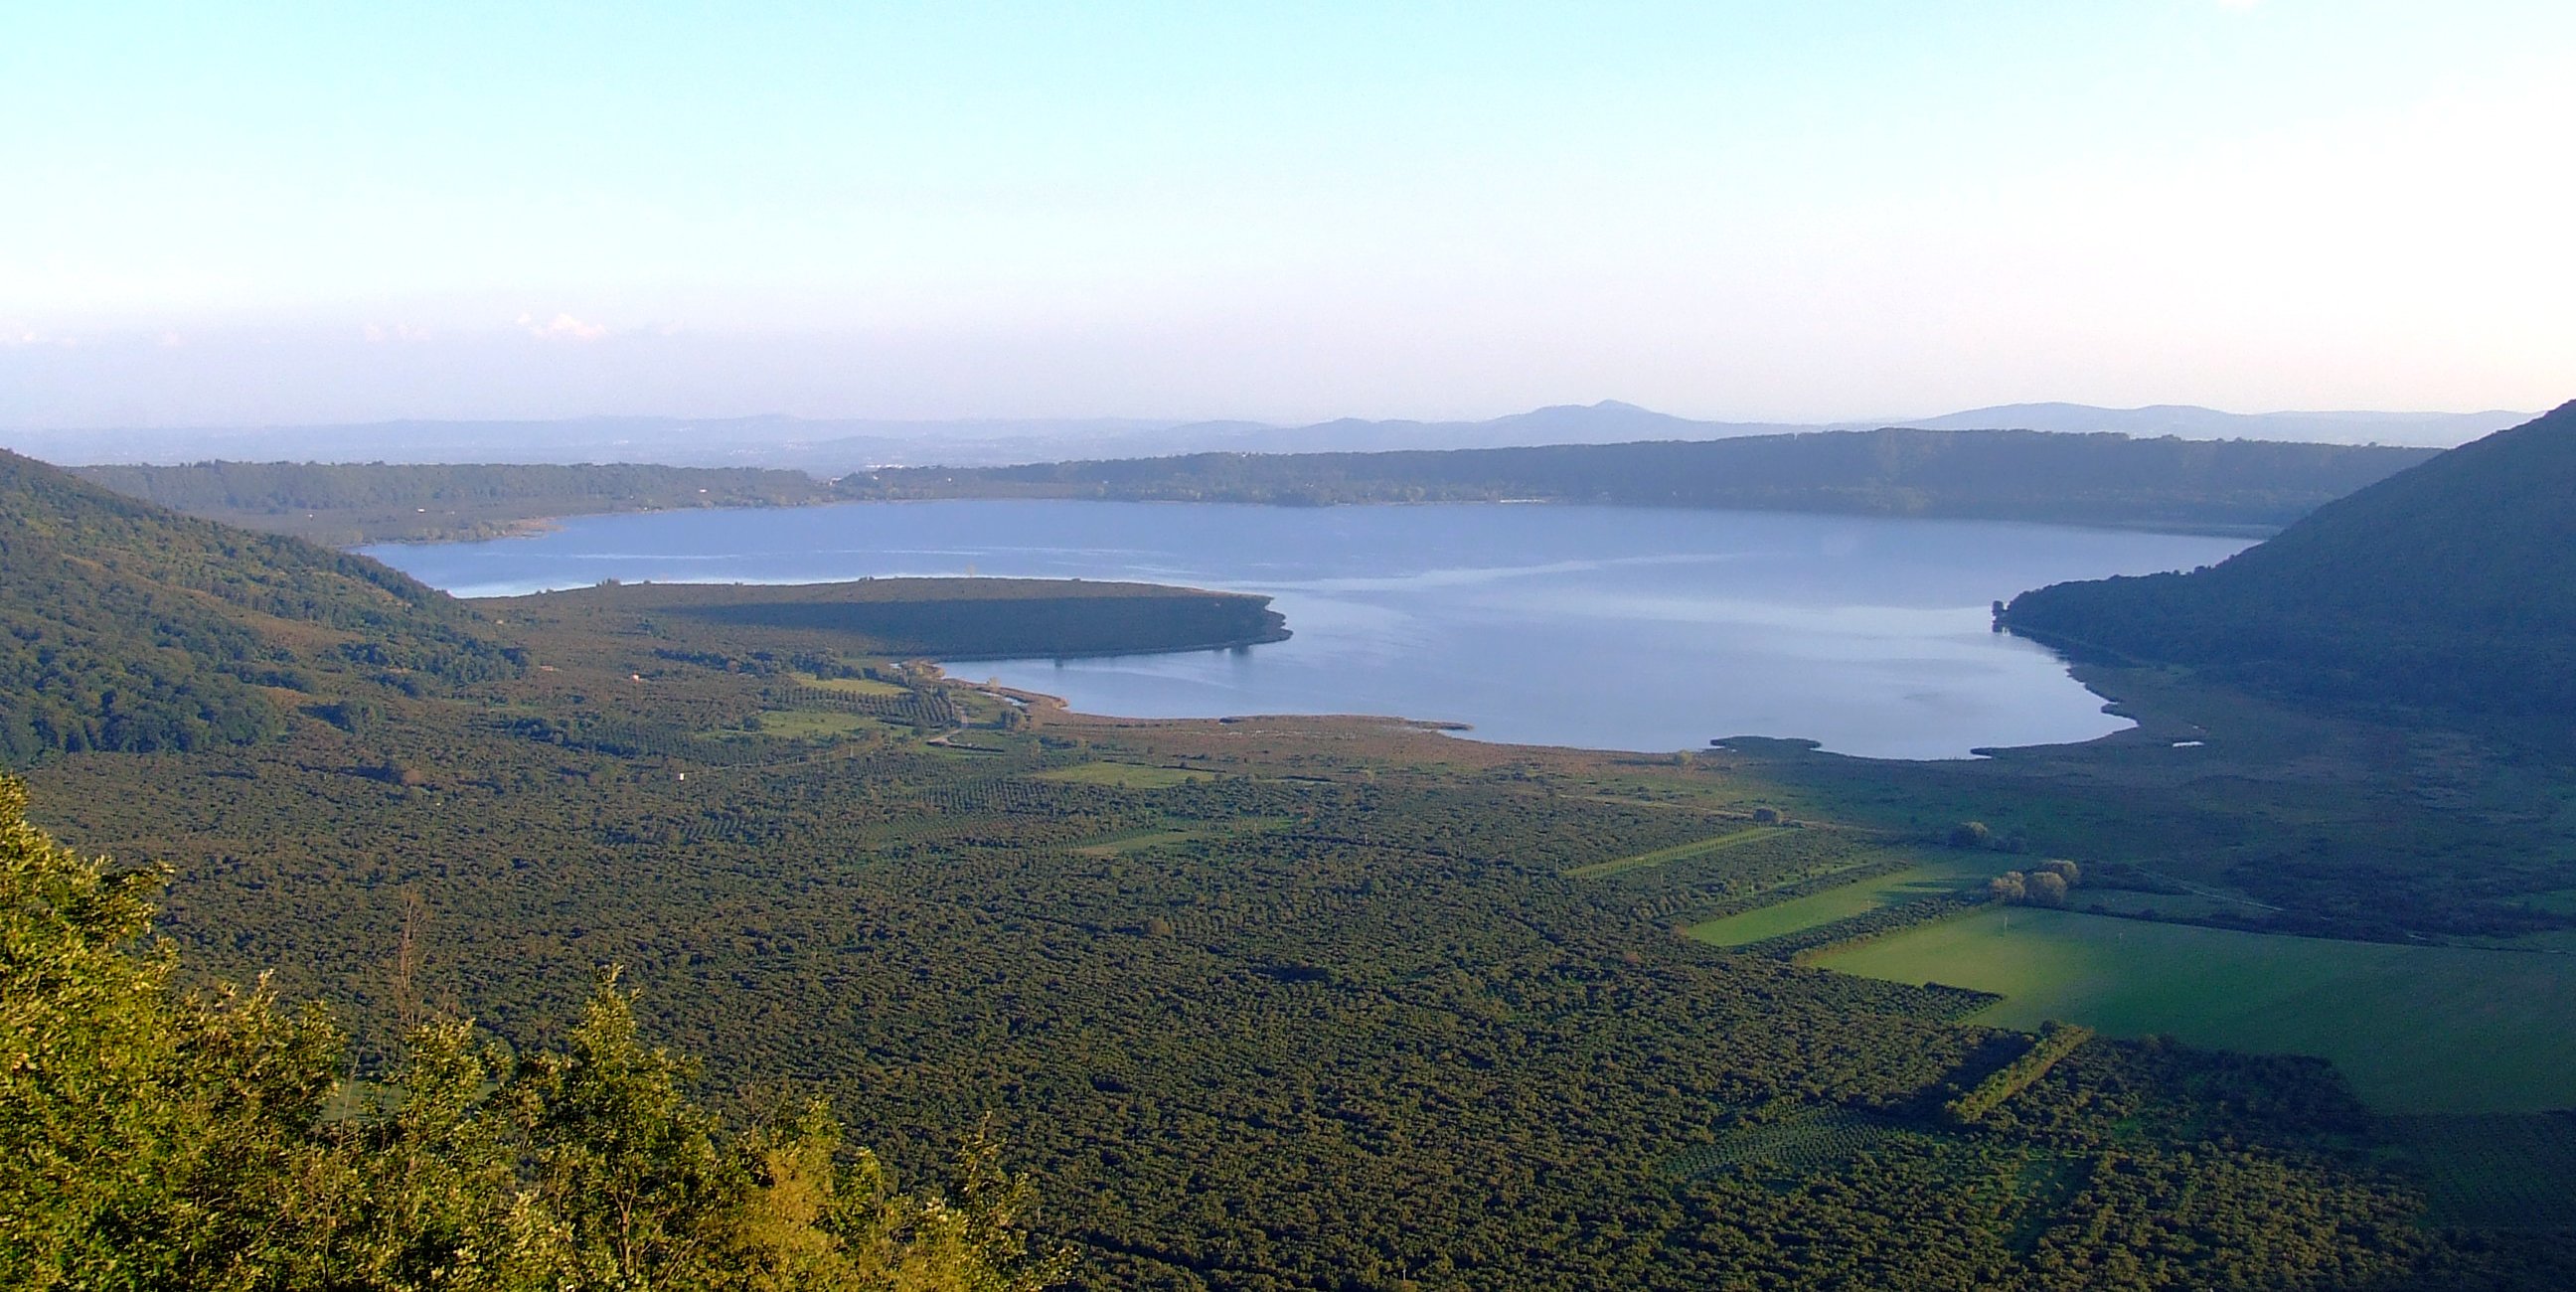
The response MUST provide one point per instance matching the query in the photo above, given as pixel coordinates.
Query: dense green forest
(126, 626)
(1264, 1010)
(2450, 585)
(1258, 1004)
(345, 504)
(160, 1138)
(2229, 485)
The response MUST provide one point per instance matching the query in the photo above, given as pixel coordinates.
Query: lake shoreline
(528, 526)
(1598, 627)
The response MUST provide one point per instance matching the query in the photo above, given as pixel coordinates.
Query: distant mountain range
(834, 447)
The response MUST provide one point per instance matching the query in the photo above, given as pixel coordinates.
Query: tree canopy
(160, 1138)
(125, 626)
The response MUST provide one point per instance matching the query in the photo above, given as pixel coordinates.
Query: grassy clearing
(1126, 841)
(1136, 841)
(2558, 941)
(1125, 776)
(811, 724)
(849, 685)
(2416, 1029)
(2120, 901)
(1664, 856)
(1937, 871)
(1819, 1139)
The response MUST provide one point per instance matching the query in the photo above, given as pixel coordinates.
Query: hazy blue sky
(229, 212)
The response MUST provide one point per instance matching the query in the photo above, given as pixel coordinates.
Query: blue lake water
(1603, 627)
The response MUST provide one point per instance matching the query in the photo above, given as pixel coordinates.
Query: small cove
(1599, 627)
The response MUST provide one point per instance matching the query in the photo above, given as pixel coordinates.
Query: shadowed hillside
(2450, 585)
(128, 627)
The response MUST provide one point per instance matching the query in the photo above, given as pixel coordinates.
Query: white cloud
(562, 327)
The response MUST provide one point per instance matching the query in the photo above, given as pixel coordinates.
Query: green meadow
(850, 685)
(1938, 871)
(1125, 776)
(2417, 1029)
(1666, 856)
(812, 724)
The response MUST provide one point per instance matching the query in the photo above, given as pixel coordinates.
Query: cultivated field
(850, 685)
(1937, 871)
(1665, 856)
(2416, 1029)
(2496, 1171)
(1126, 776)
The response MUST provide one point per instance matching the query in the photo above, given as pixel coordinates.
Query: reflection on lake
(1607, 627)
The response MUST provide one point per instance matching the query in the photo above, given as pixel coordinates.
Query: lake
(1600, 627)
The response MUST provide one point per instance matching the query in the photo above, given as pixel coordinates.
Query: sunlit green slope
(127, 626)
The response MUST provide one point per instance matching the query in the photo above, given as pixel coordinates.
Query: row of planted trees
(156, 1138)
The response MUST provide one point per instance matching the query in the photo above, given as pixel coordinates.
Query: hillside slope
(2451, 585)
(378, 502)
(127, 626)
(2233, 485)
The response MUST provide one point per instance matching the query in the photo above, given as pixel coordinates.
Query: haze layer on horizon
(1767, 211)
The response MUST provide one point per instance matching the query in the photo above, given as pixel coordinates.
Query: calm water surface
(1605, 627)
